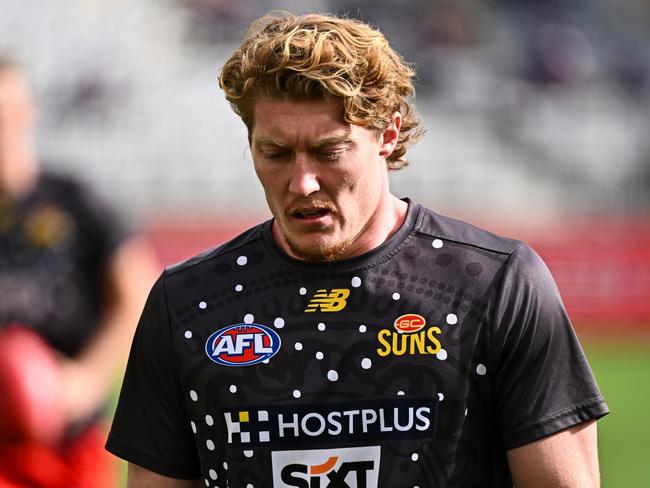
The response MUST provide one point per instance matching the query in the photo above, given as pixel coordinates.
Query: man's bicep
(139, 477)
(151, 426)
(567, 459)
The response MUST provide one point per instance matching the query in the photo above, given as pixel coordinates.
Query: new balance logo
(334, 301)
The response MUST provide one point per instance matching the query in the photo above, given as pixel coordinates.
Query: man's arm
(87, 380)
(568, 459)
(139, 477)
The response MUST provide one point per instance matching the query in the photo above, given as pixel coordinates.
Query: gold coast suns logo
(410, 336)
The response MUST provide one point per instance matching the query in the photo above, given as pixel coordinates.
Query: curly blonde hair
(317, 56)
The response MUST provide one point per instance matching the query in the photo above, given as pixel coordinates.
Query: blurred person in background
(356, 339)
(72, 283)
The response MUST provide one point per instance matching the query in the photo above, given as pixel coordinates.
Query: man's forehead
(276, 120)
(272, 106)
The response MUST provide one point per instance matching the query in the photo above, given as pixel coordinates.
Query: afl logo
(242, 345)
(409, 323)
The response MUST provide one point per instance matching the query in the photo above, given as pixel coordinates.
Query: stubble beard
(322, 251)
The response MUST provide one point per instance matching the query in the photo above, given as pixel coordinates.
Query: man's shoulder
(59, 184)
(449, 229)
(244, 239)
(71, 192)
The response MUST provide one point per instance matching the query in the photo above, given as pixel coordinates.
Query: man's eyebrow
(324, 142)
(333, 140)
(268, 141)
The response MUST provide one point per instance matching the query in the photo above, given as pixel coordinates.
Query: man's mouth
(310, 213)
(313, 210)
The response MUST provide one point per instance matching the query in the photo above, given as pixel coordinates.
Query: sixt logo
(334, 301)
(242, 345)
(351, 467)
(410, 338)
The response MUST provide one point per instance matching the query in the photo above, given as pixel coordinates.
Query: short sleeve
(151, 427)
(101, 224)
(542, 383)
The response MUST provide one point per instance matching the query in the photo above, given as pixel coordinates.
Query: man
(71, 275)
(355, 340)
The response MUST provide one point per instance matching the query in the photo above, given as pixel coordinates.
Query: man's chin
(318, 250)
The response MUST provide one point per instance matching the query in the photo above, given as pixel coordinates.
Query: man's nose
(304, 178)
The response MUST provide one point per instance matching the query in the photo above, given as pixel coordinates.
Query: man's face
(16, 107)
(326, 181)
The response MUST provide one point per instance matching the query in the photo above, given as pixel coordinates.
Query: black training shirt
(55, 246)
(417, 364)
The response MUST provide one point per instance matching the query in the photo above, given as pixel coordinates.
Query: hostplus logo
(237, 424)
(350, 423)
(333, 301)
(351, 467)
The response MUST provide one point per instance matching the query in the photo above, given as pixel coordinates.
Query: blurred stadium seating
(537, 115)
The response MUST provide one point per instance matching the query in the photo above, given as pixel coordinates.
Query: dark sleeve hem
(592, 410)
(160, 466)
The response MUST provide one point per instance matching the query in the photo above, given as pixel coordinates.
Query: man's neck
(18, 173)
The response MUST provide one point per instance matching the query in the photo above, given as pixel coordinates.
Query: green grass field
(623, 373)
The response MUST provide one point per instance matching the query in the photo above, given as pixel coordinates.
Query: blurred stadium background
(538, 127)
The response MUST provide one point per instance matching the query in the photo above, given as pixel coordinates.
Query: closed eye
(331, 155)
(276, 155)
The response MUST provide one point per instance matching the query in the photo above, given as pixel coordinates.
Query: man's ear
(389, 136)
